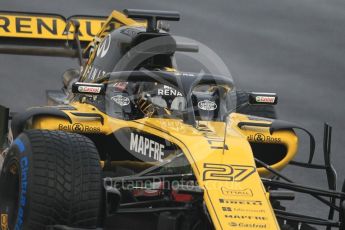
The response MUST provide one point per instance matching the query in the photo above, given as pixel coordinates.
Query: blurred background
(295, 48)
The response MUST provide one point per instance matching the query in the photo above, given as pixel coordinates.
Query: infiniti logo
(104, 47)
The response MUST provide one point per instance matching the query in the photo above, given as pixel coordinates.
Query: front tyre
(50, 178)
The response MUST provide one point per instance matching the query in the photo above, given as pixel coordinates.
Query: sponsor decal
(169, 91)
(245, 217)
(207, 105)
(231, 192)
(20, 145)
(103, 48)
(129, 32)
(24, 164)
(89, 89)
(259, 137)
(4, 221)
(241, 202)
(120, 100)
(242, 225)
(226, 209)
(220, 172)
(121, 86)
(265, 99)
(94, 73)
(249, 210)
(171, 124)
(147, 147)
(214, 141)
(47, 26)
(184, 74)
(78, 127)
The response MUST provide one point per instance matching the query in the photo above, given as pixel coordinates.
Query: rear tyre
(50, 178)
(267, 111)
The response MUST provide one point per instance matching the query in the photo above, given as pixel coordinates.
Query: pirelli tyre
(267, 111)
(50, 178)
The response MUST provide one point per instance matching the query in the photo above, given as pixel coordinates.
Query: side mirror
(69, 77)
(263, 98)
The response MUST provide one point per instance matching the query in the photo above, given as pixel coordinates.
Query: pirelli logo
(47, 26)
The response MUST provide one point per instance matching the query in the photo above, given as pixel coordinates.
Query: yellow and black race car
(133, 143)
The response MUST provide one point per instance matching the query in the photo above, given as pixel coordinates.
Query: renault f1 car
(132, 142)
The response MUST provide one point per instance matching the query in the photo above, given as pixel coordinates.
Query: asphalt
(293, 47)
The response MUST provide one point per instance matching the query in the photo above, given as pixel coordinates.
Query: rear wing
(76, 36)
(53, 34)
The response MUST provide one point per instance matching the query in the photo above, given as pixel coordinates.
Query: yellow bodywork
(234, 194)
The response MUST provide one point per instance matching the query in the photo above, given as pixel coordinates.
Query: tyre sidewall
(20, 152)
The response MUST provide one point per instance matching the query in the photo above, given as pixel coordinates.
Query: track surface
(293, 47)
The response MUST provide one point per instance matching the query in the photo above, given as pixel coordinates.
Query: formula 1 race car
(131, 142)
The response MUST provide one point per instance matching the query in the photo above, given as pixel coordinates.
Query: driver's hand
(153, 106)
(146, 106)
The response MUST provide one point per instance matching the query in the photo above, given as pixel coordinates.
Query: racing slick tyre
(267, 111)
(50, 178)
